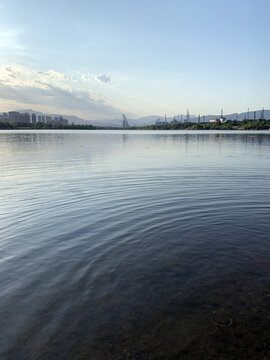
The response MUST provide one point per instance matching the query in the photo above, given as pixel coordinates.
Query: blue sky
(97, 59)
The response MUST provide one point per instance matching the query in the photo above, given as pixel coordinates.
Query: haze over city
(99, 59)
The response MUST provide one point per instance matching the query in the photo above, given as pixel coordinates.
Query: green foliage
(37, 126)
(229, 125)
(6, 125)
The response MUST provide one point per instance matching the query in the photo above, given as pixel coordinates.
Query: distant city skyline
(99, 59)
(31, 117)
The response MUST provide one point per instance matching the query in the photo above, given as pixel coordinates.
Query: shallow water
(134, 245)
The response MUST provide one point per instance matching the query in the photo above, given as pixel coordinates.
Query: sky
(98, 59)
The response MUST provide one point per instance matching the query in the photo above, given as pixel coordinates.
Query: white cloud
(50, 88)
(14, 75)
(87, 77)
(55, 75)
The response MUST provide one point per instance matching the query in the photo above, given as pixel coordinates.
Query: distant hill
(148, 120)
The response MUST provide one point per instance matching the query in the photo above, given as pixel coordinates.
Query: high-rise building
(25, 117)
(5, 117)
(188, 117)
(34, 118)
(13, 116)
(48, 119)
(63, 121)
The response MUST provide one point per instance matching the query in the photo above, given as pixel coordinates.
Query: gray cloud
(12, 72)
(59, 98)
(103, 78)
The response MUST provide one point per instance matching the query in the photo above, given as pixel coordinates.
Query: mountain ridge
(147, 120)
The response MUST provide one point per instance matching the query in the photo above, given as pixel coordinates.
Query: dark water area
(134, 245)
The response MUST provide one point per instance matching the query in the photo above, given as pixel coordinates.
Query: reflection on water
(134, 245)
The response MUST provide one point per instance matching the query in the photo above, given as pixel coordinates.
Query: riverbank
(229, 125)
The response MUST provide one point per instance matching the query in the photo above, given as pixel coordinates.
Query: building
(175, 120)
(34, 118)
(16, 116)
(5, 117)
(13, 116)
(219, 120)
(25, 118)
(48, 119)
(160, 123)
(63, 121)
(222, 119)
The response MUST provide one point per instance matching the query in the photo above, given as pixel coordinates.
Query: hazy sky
(97, 58)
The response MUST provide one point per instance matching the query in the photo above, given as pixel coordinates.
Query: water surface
(134, 245)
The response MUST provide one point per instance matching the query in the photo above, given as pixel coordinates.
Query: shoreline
(129, 129)
(231, 125)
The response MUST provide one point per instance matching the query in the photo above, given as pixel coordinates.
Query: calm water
(134, 245)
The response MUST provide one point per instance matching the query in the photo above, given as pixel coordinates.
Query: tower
(187, 115)
(125, 122)
(262, 114)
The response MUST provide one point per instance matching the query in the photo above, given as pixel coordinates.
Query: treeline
(229, 125)
(21, 125)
